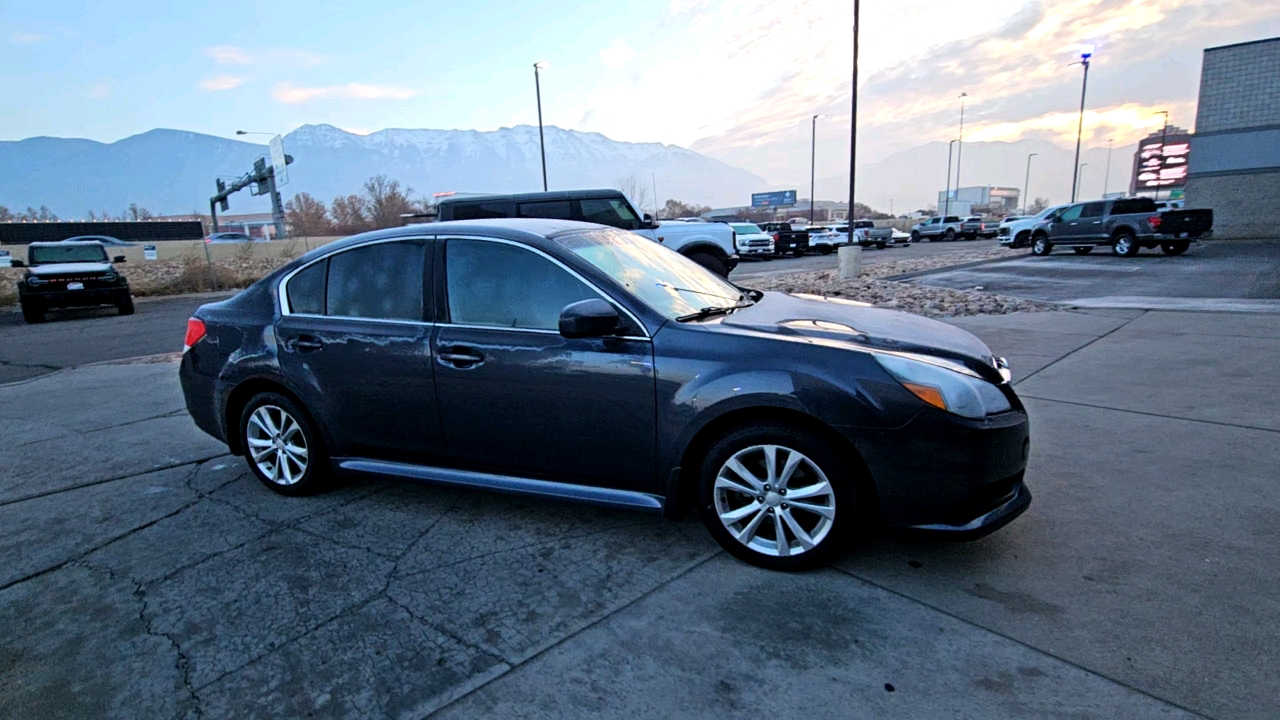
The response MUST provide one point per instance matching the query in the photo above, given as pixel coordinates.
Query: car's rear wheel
(951, 235)
(1174, 248)
(1125, 244)
(1020, 240)
(1041, 246)
(825, 249)
(710, 262)
(32, 313)
(881, 245)
(283, 446)
(799, 252)
(125, 305)
(1082, 250)
(776, 497)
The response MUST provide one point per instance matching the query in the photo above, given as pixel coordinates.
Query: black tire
(315, 476)
(1041, 246)
(1125, 245)
(766, 258)
(915, 236)
(32, 313)
(746, 442)
(825, 249)
(125, 305)
(1020, 240)
(1082, 250)
(951, 235)
(710, 262)
(882, 245)
(797, 253)
(1175, 248)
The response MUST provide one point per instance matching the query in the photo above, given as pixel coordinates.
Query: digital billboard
(1161, 165)
(781, 198)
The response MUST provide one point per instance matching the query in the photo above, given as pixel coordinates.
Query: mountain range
(172, 171)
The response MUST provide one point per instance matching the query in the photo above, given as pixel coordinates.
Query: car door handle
(304, 343)
(460, 357)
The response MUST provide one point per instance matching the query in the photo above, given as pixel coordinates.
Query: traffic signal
(222, 193)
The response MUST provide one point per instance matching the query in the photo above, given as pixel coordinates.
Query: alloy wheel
(774, 500)
(277, 445)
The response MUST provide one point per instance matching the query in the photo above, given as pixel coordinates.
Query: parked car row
(1126, 225)
(954, 227)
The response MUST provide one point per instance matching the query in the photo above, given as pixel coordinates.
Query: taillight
(1154, 222)
(195, 331)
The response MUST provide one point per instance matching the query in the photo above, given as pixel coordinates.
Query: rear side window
(479, 211)
(1092, 210)
(382, 281)
(952, 219)
(1133, 205)
(306, 290)
(609, 211)
(501, 285)
(554, 210)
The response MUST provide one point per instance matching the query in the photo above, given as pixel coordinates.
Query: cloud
(293, 94)
(99, 91)
(27, 38)
(617, 54)
(231, 55)
(219, 83)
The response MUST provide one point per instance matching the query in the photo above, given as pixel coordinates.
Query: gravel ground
(869, 287)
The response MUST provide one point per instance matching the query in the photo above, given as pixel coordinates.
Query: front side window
(613, 212)
(501, 285)
(1071, 213)
(382, 281)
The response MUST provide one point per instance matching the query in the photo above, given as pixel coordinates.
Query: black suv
(70, 274)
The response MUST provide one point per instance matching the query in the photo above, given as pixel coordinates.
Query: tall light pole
(1085, 54)
(813, 158)
(1164, 132)
(853, 117)
(947, 197)
(1106, 180)
(542, 144)
(1080, 175)
(960, 143)
(1026, 185)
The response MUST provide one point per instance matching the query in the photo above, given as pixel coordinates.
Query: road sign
(781, 198)
(278, 161)
(148, 252)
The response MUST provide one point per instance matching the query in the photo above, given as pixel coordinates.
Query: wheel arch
(245, 391)
(703, 246)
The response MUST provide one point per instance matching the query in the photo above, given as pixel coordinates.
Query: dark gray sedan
(573, 361)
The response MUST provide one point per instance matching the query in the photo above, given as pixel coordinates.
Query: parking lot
(146, 573)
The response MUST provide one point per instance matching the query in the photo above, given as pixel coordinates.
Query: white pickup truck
(1015, 232)
(711, 245)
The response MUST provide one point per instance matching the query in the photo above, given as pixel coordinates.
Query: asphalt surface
(750, 267)
(1209, 271)
(145, 573)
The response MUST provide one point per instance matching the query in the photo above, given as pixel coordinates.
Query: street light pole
(960, 143)
(853, 118)
(1085, 54)
(1106, 180)
(813, 158)
(1164, 132)
(1080, 175)
(1026, 185)
(947, 197)
(542, 146)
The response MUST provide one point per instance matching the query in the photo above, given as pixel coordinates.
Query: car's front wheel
(125, 305)
(283, 446)
(710, 262)
(776, 497)
(32, 313)
(1041, 246)
(915, 236)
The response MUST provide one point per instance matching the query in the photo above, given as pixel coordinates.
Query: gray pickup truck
(937, 228)
(1125, 224)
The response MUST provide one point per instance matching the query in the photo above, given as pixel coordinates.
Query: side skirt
(589, 494)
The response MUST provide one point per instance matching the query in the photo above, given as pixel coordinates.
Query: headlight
(946, 386)
(34, 281)
(110, 277)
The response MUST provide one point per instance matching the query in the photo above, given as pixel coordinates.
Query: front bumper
(756, 250)
(75, 298)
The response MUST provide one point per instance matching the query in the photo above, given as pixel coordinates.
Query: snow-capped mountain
(171, 171)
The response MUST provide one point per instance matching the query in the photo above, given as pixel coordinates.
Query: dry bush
(290, 250)
(194, 275)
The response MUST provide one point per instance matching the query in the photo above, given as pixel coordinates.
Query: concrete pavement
(147, 574)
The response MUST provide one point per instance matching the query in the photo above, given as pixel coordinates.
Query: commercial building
(1236, 146)
(981, 199)
(1161, 163)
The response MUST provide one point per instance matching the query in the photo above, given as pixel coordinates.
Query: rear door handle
(304, 343)
(460, 357)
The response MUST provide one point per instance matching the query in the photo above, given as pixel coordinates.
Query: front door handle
(304, 343)
(460, 357)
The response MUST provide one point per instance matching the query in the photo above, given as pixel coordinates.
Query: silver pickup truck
(938, 228)
(866, 234)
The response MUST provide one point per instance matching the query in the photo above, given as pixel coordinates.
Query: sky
(737, 80)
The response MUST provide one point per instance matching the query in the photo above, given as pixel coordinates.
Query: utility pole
(542, 146)
(1085, 54)
(813, 159)
(1106, 181)
(853, 118)
(1080, 176)
(947, 196)
(1026, 186)
(960, 143)
(653, 178)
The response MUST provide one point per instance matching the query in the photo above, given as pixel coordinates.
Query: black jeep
(70, 274)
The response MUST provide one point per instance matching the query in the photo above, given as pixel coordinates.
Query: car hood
(81, 268)
(861, 326)
(754, 236)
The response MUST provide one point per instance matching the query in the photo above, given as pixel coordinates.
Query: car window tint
(952, 219)
(1133, 205)
(383, 281)
(479, 211)
(306, 289)
(492, 283)
(1071, 213)
(609, 211)
(1093, 209)
(555, 210)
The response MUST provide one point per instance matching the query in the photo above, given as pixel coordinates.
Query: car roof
(64, 243)
(551, 195)
(502, 228)
(88, 238)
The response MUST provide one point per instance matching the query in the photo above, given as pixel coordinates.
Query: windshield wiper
(707, 312)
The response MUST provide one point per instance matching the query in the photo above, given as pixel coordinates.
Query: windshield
(745, 229)
(664, 279)
(67, 254)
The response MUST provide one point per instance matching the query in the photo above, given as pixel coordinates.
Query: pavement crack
(1219, 423)
(1103, 336)
(114, 478)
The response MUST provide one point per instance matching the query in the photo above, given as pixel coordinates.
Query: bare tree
(676, 209)
(136, 213)
(348, 214)
(636, 190)
(6, 215)
(307, 216)
(386, 202)
(1039, 204)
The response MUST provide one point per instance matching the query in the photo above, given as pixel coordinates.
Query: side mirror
(588, 318)
(17, 263)
(649, 222)
(119, 259)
